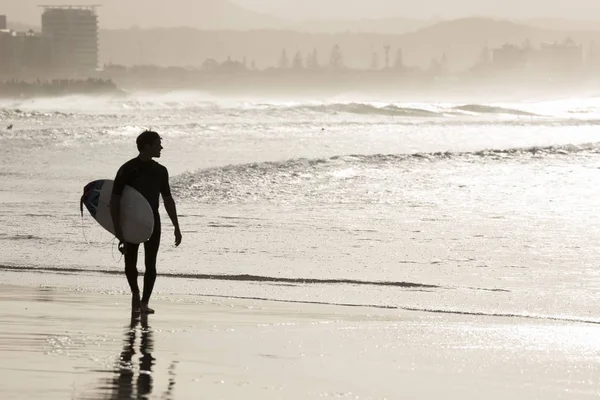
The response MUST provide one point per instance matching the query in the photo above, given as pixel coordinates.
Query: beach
(345, 247)
(58, 343)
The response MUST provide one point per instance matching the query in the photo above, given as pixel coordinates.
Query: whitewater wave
(367, 109)
(328, 180)
(364, 109)
(18, 114)
(391, 109)
(404, 111)
(484, 109)
(93, 130)
(66, 107)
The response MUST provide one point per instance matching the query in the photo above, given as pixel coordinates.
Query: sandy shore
(58, 344)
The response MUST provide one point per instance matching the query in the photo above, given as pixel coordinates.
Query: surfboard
(137, 218)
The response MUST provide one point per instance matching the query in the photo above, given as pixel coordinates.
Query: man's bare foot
(144, 309)
(135, 302)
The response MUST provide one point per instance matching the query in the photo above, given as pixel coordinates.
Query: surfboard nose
(91, 195)
(95, 185)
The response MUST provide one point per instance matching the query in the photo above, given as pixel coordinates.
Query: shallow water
(450, 207)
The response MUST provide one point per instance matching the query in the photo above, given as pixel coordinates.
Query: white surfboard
(137, 218)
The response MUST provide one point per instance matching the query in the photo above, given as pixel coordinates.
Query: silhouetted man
(152, 180)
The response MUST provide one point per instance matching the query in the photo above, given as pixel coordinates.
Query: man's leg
(131, 273)
(150, 253)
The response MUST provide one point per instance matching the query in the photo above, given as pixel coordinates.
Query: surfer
(152, 180)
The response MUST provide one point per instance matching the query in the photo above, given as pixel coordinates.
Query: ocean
(444, 207)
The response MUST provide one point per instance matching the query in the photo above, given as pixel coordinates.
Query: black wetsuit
(150, 179)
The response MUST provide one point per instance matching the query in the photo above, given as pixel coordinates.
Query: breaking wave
(189, 109)
(18, 114)
(368, 109)
(328, 179)
(57, 108)
(483, 109)
(402, 111)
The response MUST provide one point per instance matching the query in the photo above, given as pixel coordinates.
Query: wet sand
(60, 343)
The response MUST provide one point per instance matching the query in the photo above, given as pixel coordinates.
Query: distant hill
(394, 25)
(563, 24)
(462, 40)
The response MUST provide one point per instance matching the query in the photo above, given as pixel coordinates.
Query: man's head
(149, 144)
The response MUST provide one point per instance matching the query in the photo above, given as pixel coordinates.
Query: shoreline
(72, 343)
(171, 287)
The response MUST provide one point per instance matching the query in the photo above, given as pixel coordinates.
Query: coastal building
(592, 58)
(32, 51)
(24, 52)
(73, 32)
(5, 50)
(560, 57)
(553, 58)
(510, 56)
(5, 46)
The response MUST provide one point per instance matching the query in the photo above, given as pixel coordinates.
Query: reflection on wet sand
(133, 377)
(125, 386)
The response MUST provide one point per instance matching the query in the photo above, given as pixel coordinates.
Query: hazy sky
(124, 13)
(583, 9)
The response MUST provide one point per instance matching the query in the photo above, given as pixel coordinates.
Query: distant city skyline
(157, 13)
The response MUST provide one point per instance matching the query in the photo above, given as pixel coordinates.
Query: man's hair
(146, 138)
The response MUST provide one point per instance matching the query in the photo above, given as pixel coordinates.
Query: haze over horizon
(156, 13)
(425, 9)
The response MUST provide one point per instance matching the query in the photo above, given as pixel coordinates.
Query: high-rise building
(3, 24)
(73, 31)
(5, 51)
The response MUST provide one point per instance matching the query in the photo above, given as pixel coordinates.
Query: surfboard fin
(81, 205)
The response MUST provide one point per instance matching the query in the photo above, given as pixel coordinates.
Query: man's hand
(122, 247)
(177, 236)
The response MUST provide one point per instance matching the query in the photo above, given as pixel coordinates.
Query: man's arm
(165, 191)
(172, 211)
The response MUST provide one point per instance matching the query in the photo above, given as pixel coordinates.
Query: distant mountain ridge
(563, 24)
(219, 30)
(227, 15)
(209, 15)
(461, 40)
(392, 25)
